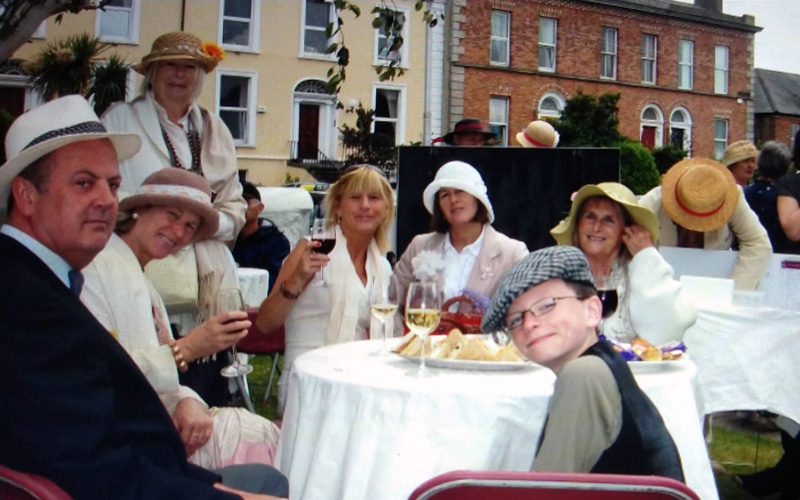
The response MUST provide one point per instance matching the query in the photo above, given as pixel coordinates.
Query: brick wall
(776, 128)
(578, 65)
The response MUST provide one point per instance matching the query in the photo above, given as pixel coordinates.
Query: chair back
(257, 342)
(483, 485)
(16, 485)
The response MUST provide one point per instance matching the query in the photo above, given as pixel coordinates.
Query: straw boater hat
(180, 45)
(468, 126)
(699, 194)
(51, 126)
(738, 151)
(176, 187)
(458, 175)
(565, 229)
(538, 134)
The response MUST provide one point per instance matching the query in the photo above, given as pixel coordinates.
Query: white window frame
(546, 113)
(400, 120)
(658, 123)
(721, 67)
(41, 31)
(315, 55)
(606, 53)
(254, 21)
(503, 122)
(649, 59)
(133, 24)
(249, 139)
(685, 126)
(130, 85)
(548, 45)
(686, 66)
(720, 143)
(501, 39)
(384, 61)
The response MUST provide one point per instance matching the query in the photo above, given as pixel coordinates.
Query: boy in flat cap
(599, 420)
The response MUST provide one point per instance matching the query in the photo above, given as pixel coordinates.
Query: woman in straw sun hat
(699, 205)
(475, 255)
(172, 209)
(740, 158)
(177, 133)
(618, 238)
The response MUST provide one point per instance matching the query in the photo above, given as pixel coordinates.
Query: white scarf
(344, 309)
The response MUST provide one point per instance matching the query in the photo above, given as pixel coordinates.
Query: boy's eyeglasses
(537, 309)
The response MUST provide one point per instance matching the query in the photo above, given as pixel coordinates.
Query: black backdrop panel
(529, 188)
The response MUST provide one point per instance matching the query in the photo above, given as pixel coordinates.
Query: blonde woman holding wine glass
(170, 210)
(359, 207)
(618, 236)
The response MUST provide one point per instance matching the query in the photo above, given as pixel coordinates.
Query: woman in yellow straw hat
(740, 158)
(699, 205)
(618, 238)
(177, 133)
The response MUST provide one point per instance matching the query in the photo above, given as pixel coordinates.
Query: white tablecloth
(357, 426)
(747, 359)
(254, 284)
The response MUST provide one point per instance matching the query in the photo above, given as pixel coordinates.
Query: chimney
(712, 5)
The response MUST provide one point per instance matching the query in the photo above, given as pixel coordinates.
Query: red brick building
(684, 71)
(776, 105)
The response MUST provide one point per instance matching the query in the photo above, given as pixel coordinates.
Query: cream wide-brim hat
(564, 231)
(174, 46)
(51, 126)
(538, 134)
(458, 175)
(699, 194)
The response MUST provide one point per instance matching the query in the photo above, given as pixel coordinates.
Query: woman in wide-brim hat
(475, 255)
(699, 205)
(177, 133)
(618, 238)
(468, 132)
(171, 209)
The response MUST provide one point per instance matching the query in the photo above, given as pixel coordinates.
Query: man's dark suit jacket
(74, 407)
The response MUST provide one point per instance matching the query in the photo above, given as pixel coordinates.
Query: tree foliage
(362, 145)
(589, 121)
(667, 156)
(386, 18)
(19, 19)
(637, 168)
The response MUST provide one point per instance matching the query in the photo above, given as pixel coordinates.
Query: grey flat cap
(564, 262)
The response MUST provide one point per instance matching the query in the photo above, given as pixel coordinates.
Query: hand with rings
(193, 420)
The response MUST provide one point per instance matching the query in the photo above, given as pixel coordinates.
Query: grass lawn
(738, 451)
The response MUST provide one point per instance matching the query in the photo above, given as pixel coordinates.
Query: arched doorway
(314, 118)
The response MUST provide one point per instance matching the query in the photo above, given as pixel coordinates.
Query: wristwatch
(288, 294)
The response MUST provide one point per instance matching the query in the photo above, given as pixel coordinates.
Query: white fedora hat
(54, 125)
(458, 175)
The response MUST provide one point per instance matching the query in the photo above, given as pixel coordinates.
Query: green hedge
(637, 168)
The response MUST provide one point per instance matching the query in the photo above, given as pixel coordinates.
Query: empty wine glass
(383, 304)
(230, 299)
(326, 236)
(423, 311)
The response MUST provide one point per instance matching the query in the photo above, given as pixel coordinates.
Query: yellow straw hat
(538, 134)
(699, 194)
(738, 151)
(642, 216)
(181, 45)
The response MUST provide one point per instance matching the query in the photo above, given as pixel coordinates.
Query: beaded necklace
(194, 146)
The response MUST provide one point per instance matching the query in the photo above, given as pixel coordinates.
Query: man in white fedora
(699, 205)
(75, 407)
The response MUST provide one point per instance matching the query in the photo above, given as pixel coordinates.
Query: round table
(360, 425)
(254, 284)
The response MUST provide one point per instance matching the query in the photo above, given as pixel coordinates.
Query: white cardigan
(119, 295)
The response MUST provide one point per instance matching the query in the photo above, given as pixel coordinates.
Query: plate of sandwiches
(644, 357)
(457, 351)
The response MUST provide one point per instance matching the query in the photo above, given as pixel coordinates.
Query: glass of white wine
(383, 304)
(423, 311)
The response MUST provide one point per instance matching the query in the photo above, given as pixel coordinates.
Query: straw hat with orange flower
(181, 45)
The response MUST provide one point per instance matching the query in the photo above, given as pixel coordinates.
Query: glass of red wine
(610, 300)
(326, 236)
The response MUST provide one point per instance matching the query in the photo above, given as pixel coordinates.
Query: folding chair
(482, 485)
(257, 343)
(16, 485)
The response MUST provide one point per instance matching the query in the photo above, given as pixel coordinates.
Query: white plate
(464, 364)
(655, 366)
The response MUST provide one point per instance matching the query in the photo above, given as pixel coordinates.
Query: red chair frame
(16, 485)
(482, 485)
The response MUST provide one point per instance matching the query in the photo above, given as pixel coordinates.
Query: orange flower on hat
(213, 50)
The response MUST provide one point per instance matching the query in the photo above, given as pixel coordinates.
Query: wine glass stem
(235, 355)
(385, 333)
(422, 355)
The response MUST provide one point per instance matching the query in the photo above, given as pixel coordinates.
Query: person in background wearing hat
(740, 158)
(788, 206)
(599, 420)
(699, 205)
(475, 255)
(176, 132)
(762, 195)
(538, 134)
(76, 408)
(617, 237)
(468, 132)
(171, 209)
(260, 243)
